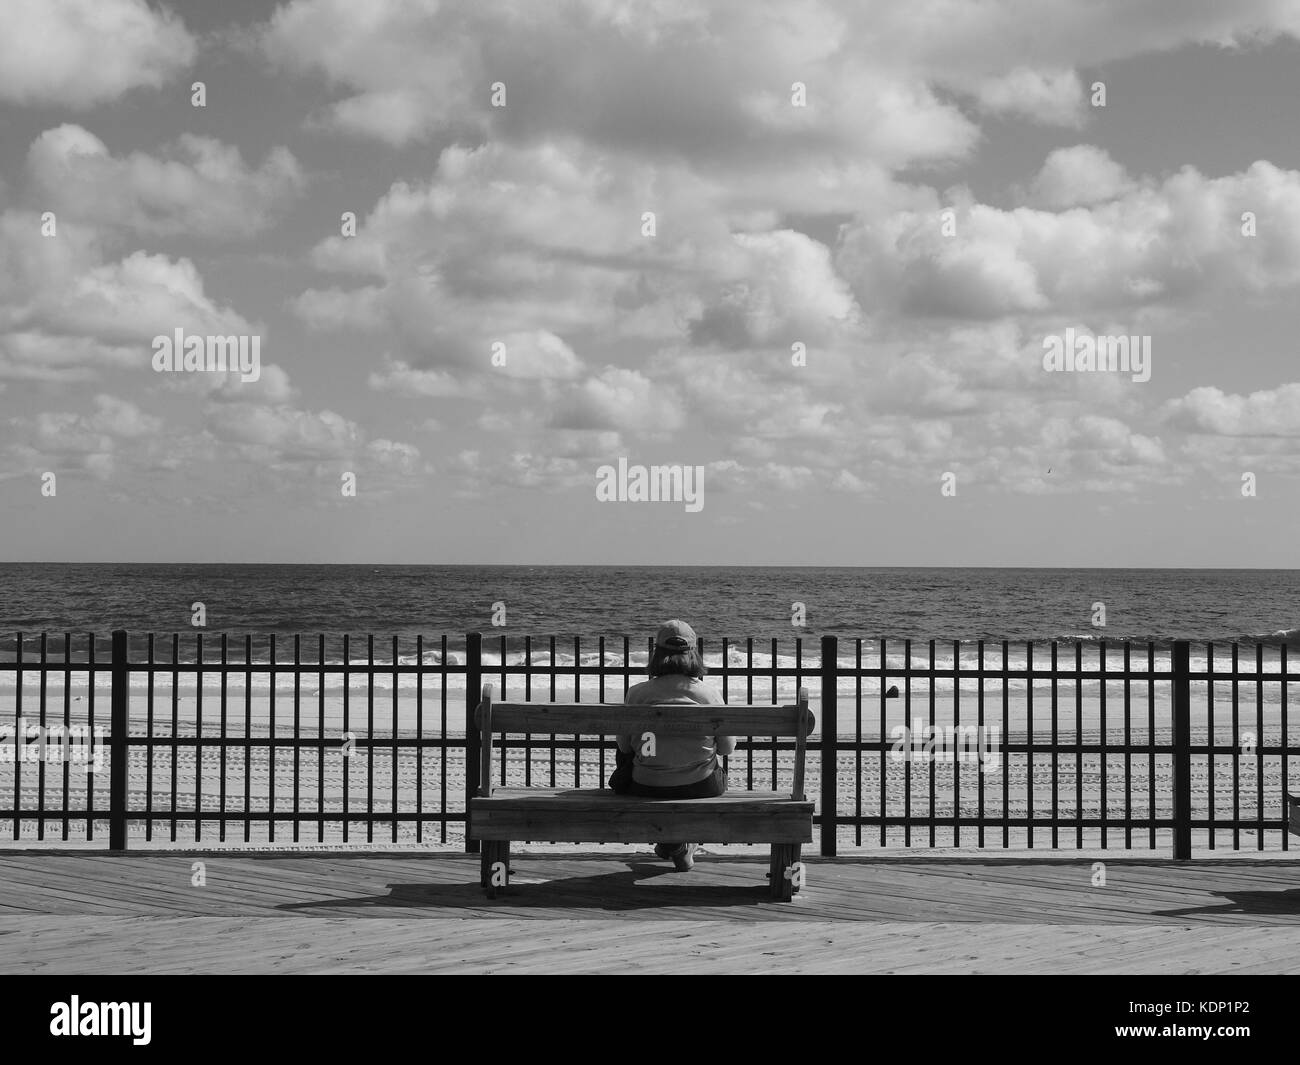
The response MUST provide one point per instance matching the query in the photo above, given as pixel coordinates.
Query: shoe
(684, 857)
(665, 851)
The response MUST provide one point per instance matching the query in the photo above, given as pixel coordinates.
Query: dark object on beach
(892, 692)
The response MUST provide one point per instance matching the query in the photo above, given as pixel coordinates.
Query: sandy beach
(407, 782)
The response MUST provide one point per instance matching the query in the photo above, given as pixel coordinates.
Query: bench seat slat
(588, 816)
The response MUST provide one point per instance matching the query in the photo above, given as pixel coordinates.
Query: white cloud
(1171, 242)
(622, 400)
(399, 377)
(67, 312)
(785, 289)
(199, 186)
(1269, 412)
(1053, 97)
(78, 53)
(1078, 176)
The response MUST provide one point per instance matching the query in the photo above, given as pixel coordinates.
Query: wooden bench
(572, 815)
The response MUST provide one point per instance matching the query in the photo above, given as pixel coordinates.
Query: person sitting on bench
(680, 767)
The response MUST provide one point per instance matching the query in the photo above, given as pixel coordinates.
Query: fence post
(473, 692)
(118, 705)
(829, 723)
(1181, 690)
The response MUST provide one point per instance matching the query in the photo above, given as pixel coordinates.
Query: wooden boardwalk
(611, 912)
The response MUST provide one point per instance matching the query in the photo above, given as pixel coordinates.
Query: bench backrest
(612, 719)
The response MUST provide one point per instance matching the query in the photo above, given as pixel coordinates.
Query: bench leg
(494, 866)
(785, 870)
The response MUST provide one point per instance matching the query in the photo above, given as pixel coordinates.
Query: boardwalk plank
(574, 911)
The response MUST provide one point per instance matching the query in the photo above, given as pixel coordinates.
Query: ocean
(954, 607)
(1251, 606)
(921, 604)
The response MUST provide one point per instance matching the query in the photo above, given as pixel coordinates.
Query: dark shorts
(621, 783)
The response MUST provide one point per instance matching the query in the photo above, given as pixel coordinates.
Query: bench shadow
(615, 892)
(1258, 902)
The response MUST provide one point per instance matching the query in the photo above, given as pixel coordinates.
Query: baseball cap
(675, 636)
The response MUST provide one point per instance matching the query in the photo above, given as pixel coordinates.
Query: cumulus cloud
(397, 376)
(1078, 176)
(786, 289)
(89, 441)
(1053, 97)
(79, 53)
(1269, 412)
(68, 311)
(1170, 242)
(619, 399)
(198, 186)
(722, 72)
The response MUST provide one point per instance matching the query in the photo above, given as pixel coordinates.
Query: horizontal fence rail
(337, 740)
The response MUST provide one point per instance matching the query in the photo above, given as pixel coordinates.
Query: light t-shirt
(677, 759)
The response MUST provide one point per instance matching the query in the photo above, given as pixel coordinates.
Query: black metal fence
(262, 740)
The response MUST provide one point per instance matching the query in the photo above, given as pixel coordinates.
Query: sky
(815, 253)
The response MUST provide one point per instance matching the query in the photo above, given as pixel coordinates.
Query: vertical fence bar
(1128, 744)
(1286, 781)
(773, 696)
(1006, 754)
(550, 671)
(884, 803)
(1056, 754)
(297, 727)
(176, 657)
(270, 750)
(473, 692)
(749, 698)
(1029, 736)
(221, 750)
(528, 695)
(505, 743)
(198, 744)
(930, 808)
(1181, 692)
(1236, 754)
(908, 755)
(40, 768)
(1078, 745)
(20, 735)
(91, 673)
(442, 733)
(117, 749)
(347, 759)
(857, 754)
(1209, 725)
(600, 697)
(419, 738)
(67, 722)
(1103, 740)
(320, 739)
(956, 758)
(983, 742)
(1259, 746)
(830, 734)
(392, 765)
(370, 737)
(577, 698)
